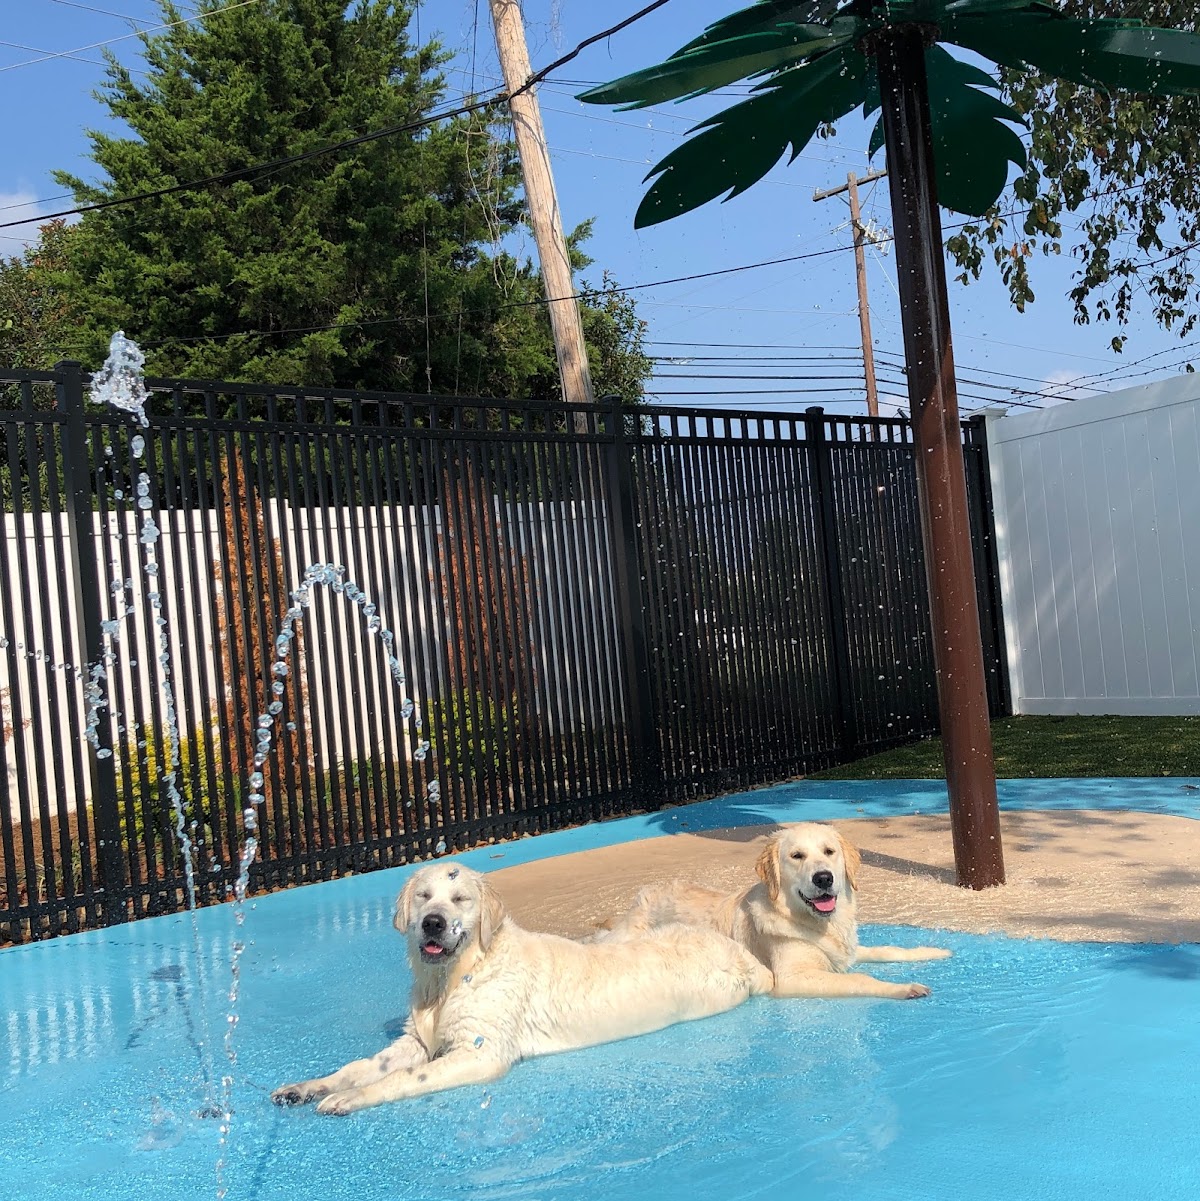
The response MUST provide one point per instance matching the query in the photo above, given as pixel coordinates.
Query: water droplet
(279, 668)
(278, 687)
(478, 1041)
(256, 780)
(275, 707)
(440, 849)
(137, 445)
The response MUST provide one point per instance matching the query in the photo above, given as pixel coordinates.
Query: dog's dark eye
(423, 896)
(797, 854)
(459, 900)
(829, 852)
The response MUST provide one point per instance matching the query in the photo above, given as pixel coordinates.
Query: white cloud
(1058, 387)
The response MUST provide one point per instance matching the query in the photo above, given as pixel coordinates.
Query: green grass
(1054, 746)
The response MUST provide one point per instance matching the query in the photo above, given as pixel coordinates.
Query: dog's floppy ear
(768, 868)
(491, 913)
(403, 916)
(851, 858)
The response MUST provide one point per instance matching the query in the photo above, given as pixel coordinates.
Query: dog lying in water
(487, 994)
(800, 920)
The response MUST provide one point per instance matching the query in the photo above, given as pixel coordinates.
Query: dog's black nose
(433, 925)
(823, 880)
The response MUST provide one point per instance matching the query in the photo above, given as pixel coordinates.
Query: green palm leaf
(763, 17)
(972, 147)
(715, 64)
(1108, 53)
(740, 145)
(818, 72)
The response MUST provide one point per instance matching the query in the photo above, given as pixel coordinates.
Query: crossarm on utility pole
(860, 270)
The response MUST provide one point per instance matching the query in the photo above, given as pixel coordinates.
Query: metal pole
(941, 479)
(645, 752)
(89, 614)
(841, 682)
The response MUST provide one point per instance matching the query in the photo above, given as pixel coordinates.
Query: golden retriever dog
(487, 994)
(800, 920)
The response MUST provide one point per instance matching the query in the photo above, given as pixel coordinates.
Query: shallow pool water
(1036, 1070)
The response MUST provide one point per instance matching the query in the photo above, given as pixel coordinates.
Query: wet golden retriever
(487, 993)
(800, 920)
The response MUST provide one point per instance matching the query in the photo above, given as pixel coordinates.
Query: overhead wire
(45, 58)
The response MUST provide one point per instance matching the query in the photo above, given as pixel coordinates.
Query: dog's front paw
(298, 1094)
(909, 992)
(340, 1104)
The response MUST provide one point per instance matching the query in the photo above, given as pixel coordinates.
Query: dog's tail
(651, 908)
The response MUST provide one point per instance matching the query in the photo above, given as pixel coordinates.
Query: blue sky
(779, 321)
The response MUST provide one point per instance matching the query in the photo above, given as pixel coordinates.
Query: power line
(585, 294)
(104, 12)
(751, 345)
(723, 360)
(754, 392)
(346, 143)
(94, 62)
(45, 58)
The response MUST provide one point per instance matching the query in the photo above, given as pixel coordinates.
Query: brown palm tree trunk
(941, 480)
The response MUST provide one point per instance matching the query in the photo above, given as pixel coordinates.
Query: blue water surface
(1037, 1069)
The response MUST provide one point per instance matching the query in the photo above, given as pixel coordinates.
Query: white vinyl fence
(1097, 506)
(351, 536)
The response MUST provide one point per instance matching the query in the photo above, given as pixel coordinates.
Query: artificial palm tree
(944, 133)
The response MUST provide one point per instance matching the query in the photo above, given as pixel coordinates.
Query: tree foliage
(1113, 178)
(35, 309)
(387, 265)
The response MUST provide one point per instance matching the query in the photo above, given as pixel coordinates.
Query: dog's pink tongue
(825, 904)
(432, 948)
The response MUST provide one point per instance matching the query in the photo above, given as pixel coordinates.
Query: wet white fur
(809, 955)
(509, 994)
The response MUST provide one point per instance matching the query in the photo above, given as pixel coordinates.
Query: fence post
(839, 640)
(987, 558)
(646, 767)
(84, 567)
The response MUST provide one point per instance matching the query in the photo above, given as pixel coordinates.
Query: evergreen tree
(379, 266)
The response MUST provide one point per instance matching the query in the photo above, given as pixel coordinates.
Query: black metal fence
(673, 603)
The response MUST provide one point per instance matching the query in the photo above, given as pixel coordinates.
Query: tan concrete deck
(1072, 875)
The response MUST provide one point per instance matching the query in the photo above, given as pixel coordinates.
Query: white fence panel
(564, 600)
(1097, 507)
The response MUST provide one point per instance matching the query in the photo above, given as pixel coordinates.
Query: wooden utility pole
(860, 267)
(544, 215)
